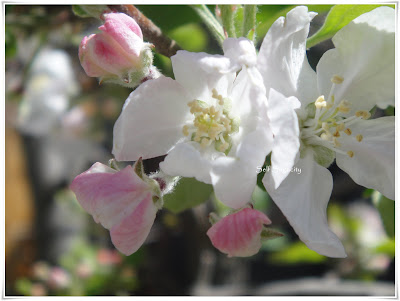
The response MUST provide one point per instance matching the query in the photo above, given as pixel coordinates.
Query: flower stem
(210, 21)
(249, 21)
(151, 32)
(227, 16)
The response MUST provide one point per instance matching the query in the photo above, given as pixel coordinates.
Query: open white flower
(209, 121)
(332, 115)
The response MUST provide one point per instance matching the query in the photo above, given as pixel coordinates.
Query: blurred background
(59, 122)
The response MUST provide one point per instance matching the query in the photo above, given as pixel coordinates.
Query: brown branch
(151, 32)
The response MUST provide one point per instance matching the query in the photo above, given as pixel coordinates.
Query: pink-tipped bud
(239, 234)
(117, 54)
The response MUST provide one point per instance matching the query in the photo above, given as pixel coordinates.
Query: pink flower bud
(118, 53)
(121, 201)
(239, 234)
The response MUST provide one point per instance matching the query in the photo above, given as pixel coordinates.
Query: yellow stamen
(348, 131)
(359, 138)
(351, 154)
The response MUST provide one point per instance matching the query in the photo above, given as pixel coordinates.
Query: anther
(336, 142)
(351, 154)
(359, 138)
(205, 142)
(336, 134)
(363, 114)
(337, 79)
(340, 127)
(326, 136)
(344, 106)
(320, 102)
(347, 131)
(185, 130)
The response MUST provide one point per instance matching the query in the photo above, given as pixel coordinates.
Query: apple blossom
(125, 202)
(332, 107)
(209, 121)
(118, 53)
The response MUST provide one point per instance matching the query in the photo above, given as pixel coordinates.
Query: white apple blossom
(210, 121)
(317, 117)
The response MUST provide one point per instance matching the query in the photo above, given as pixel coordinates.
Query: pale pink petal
(90, 67)
(130, 234)
(239, 234)
(109, 196)
(125, 31)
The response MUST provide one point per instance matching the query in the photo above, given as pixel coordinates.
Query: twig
(151, 32)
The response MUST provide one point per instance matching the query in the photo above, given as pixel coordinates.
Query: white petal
(364, 57)
(303, 199)
(241, 51)
(199, 73)
(282, 58)
(285, 127)
(188, 160)
(248, 95)
(234, 178)
(373, 164)
(151, 121)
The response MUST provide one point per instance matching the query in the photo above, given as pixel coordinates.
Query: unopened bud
(118, 53)
(239, 234)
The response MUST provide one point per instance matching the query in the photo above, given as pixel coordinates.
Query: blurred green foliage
(386, 208)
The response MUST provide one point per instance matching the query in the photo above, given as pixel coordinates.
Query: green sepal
(227, 16)
(153, 184)
(268, 233)
(213, 218)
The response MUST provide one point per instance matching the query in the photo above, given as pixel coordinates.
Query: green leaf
(188, 193)
(338, 17)
(386, 209)
(191, 37)
(79, 11)
(261, 199)
(169, 17)
(267, 15)
(87, 11)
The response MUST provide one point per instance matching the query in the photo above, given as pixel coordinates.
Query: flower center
(212, 124)
(326, 123)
